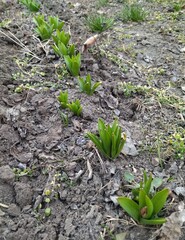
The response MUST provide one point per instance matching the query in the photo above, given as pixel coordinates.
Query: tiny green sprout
(47, 200)
(47, 212)
(32, 5)
(110, 141)
(44, 28)
(86, 86)
(73, 64)
(99, 23)
(61, 36)
(47, 192)
(64, 118)
(75, 107)
(63, 99)
(146, 204)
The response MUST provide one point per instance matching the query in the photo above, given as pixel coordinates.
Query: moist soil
(46, 161)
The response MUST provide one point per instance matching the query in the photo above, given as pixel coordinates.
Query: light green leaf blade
(131, 207)
(159, 200)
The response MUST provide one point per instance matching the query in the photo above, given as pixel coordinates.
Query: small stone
(6, 174)
(24, 194)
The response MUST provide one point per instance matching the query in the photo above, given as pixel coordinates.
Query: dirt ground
(40, 153)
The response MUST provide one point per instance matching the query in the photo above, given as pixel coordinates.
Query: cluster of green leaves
(99, 23)
(132, 12)
(32, 5)
(86, 86)
(178, 6)
(44, 28)
(146, 203)
(74, 106)
(73, 64)
(177, 141)
(61, 46)
(110, 141)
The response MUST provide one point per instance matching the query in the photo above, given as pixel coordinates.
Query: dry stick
(19, 43)
(89, 169)
(42, 45)
(101, 161)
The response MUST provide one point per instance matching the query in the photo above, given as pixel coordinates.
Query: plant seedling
(99, 23)
(63, 50)
(45, 28)
(61, 37)
(75, 107)
(145, 206)
(86, 85)
(63, 99)
(110, 141)
(73, 64)
(32, 5)
(133, 12)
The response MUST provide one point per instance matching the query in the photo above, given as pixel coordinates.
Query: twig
(101, 161)
(19, 43)
(3, 205)
(89, 169)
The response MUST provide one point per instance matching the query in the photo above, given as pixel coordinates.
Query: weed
(73, 64)
(99, 23)
(64, 118)
(32, 5)
(63, 99)
(132, 12)
(86, 85)
(75, 107)
(110, 141)
(178, 6)
(44, 28)
(145, 205)
(177, 141)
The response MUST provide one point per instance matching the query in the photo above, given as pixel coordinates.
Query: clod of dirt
(13, 210)
(6, 174)
(24, 194)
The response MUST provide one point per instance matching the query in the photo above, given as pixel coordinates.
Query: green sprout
(99, 23)
(133, 12)
(63, 50)
(75, 107)
(146, 204)
(44, 28)
(63, 99)
(73, 64)
(61, 37)
(177, 141)
(86, 85)
(32, 5)
(110, 141)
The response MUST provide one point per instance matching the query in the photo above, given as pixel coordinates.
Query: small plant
(86, 85)
(110, 141)
(146, 204)
(177, 141)
(64, 118)
(73, 64)
(63, 50)
(99, 23)
(133, 12)
(178, 6)
(63, 99)
(32, 5)
(61, 37)
(45, 28)
(75, 107)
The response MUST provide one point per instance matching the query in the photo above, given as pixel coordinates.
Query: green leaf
(147, 184)
(142, 202)
(150, 208)
(129, 177)
(155, 221)
(156, 183)
(131, 207)
(159, 200)
(95, 140)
